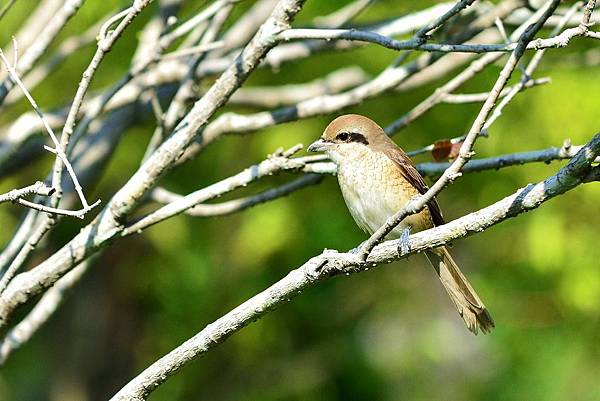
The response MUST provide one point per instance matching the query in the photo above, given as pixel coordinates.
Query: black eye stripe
(345, 136)
(358, 137)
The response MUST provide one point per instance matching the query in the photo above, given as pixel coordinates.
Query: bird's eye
(343, 136)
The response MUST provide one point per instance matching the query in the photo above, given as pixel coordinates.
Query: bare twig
(43, 40)
(38, 188)
(80, 214)
(186, 88)
(274, 164)
(533, 64)
(187, 26)
(240, 204)
(105, 43)
(60, 155)
(561, 40)
(443, 91)
(66, 49)
(428, 29)
(457, 98)
(431, 169)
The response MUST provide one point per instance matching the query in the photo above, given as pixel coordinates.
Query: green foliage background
(388, 334)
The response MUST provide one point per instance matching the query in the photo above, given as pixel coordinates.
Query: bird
(377, 179)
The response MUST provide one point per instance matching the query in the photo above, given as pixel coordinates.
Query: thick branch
(330, 264)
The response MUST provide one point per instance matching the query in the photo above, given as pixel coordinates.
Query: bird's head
(348, 137)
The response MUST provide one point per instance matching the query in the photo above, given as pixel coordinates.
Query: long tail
(469, 306)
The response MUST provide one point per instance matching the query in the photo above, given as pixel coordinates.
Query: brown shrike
(377, 179)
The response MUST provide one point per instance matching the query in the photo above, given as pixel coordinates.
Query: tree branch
(274, 164)
(43, 40)
(433, 169)
(330, 264)
(240, 204)
(561, 40)
(38, 188)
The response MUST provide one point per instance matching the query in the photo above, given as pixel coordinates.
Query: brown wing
(411, 174)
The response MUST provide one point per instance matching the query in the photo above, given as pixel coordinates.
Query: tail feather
(470, 307)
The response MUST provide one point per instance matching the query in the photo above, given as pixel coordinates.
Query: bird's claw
(404, 246)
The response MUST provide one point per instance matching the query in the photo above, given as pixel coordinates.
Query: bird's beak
(318, 146)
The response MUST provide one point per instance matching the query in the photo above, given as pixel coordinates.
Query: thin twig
(186, 89)
(458, 98)
(428, 29)
(434, 169)
(65, 49)
(561, 40)
(80, 214)
(187, 26)
(274, 164)
(60, 155)
(105, 43)
(43, 40)
(240, 204)
(533, 64)
(289, 94)
(453, 84)
(38, 188)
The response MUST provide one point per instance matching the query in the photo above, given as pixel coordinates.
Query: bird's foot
(404, 246)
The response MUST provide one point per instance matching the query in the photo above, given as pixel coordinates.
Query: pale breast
(374, 191)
